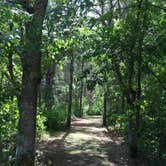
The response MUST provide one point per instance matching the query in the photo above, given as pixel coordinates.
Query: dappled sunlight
(78, 136)
(87, 143)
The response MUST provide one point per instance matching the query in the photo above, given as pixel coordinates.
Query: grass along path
(87, 143)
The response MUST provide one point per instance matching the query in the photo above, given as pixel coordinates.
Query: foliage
(119, 50)
(54, 119)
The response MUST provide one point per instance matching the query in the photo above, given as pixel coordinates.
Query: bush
(8, 129)
(55, 117)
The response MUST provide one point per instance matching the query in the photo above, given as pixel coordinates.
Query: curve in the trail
(87, 143)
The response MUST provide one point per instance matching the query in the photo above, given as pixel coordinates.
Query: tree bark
(81, 90)
(132, 133)
(49, 94)
(137, 96)
(68, 122)
(1, 151)
(31, 59)
(105, 109)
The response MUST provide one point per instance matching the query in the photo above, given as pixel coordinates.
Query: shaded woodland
(68, 60)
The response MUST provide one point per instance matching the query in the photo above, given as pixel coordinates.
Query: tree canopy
(62, 59)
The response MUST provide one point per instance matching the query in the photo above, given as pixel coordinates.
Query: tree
(81, 90)
(97, 56)
(68, 122)
(31, 59)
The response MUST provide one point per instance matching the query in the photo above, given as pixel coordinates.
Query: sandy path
(86, 144)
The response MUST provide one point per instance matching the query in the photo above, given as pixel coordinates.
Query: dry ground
(87, 143)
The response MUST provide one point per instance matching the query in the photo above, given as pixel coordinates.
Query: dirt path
(86, 144)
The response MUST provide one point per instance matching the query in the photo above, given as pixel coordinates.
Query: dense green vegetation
(78, 58)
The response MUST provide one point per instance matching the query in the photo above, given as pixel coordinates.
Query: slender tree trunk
(139, 61)
(105, 109)
(81, 95)
(130, 96)
(123, 102)
(1, 151)
(49, 96)
(68, 123)
(122, 107)
(10, 65)
(132, 133)
(131, 123)
(31, 59)
(138, 97)
(81, 90)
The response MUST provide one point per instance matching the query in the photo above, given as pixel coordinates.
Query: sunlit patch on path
(86, 144)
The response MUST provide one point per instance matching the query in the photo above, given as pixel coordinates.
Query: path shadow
(87, 143)
(118, 152)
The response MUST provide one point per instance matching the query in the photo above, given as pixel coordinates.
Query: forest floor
(87, 143)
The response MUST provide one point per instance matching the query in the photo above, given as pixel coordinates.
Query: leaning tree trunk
(31, 58)
(68, 123)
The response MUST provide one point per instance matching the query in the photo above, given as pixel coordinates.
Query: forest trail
(87, 143)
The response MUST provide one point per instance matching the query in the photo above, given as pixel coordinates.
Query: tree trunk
(130, 96)
(132, 133)
(49, 94)
(122, 108)
(81, 91)
(1, 151)
(105, 110)
(132, 138)
(27, 122)
(31, 58)
(68, 123)
(138, 97)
